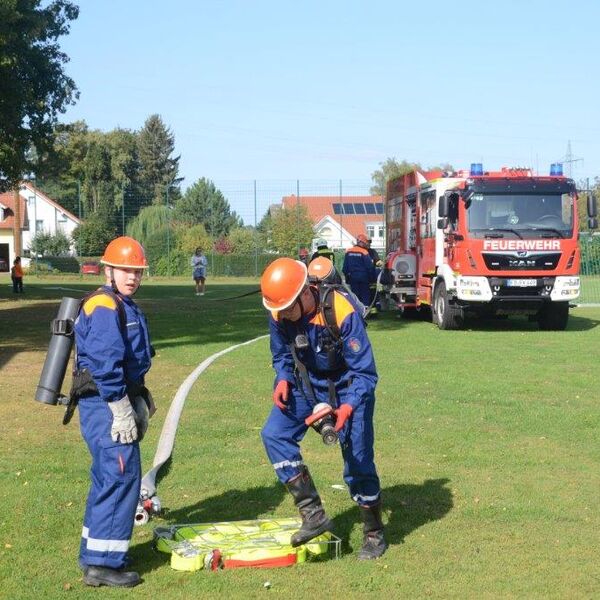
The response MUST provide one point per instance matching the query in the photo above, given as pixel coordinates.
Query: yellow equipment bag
(228, 545)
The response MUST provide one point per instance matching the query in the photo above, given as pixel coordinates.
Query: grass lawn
(486, 444)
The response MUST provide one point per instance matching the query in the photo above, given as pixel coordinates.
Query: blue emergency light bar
(556, 169)
(476, 169)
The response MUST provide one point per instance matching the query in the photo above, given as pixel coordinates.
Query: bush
(92, 236)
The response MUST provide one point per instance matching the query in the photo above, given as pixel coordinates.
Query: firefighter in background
(298, 333)
(113, 356)
(303, 255)
(323, 250)
(375, 305)
(359, 269)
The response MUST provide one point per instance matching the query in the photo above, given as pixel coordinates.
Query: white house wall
(339, 238)
(49, 218)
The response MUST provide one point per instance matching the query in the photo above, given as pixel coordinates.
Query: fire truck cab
(487, 243)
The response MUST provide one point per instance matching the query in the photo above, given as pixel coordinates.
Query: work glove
(142, 415)
(280, 394)
(124, 428)
(342, 415)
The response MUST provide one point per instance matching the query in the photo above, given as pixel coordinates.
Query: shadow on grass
(520, 323)
(176, 316)
(408, 506)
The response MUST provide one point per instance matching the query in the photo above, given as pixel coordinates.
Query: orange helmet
(126, 253)
(320, 268)
(282, 282)
(361, 237)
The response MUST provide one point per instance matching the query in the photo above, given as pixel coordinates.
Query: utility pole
(17, 222)
(168, 235)
(569, 160)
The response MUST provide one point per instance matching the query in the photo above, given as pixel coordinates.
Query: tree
(189, 238)
(204, 203)
(223, 246)
(46, 244)
(389, 169)
(92, 236)
(150, 220)
(98, 189)
(158, 168)
(291, 230)
(245, 240)
(35, 88)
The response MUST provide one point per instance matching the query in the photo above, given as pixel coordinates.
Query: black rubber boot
(96, 576)
(308, 501)
(374, 544)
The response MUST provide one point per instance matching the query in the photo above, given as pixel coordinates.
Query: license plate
(521, 282)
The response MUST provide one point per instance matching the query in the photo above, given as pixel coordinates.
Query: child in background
(16, 274)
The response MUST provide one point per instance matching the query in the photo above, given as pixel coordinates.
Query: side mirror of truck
(591, 205)
(592, 223)
(442, 223)
(443, 206)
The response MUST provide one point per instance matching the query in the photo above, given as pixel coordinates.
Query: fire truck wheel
(445, 315)
(554, 316)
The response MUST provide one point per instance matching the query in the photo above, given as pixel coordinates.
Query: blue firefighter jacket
(358, 266)
(353, 369)
(114, 353)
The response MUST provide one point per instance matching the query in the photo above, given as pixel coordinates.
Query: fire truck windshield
(520, 215)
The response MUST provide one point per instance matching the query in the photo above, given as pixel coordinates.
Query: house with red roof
(36, 212)
(340, 219)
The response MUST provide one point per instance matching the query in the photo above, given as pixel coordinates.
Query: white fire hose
(149, 502)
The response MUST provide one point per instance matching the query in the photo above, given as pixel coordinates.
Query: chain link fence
(251, 201)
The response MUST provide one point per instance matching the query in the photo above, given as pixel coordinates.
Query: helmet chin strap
(113, 283)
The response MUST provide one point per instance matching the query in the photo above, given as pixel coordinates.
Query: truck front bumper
(526, 289)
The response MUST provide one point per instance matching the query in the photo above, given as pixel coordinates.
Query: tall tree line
(93, 172)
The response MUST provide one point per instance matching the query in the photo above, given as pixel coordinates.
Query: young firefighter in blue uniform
(347, 373)
(359, 269)
(113, 348)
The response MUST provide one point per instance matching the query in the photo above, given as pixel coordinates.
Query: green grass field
(487, 445)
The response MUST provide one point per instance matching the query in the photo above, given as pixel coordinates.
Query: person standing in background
(199, 263)
(323, 250)
(303, 256)
(16, 274)
(359, 269)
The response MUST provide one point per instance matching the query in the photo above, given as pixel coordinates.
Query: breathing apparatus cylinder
(59, 350)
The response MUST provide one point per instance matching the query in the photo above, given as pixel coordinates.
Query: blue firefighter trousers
(114, 492)
(284, 430)
(361, 290)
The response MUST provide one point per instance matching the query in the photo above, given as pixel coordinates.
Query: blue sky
(326, 90)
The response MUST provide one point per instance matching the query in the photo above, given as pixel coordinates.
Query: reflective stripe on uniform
(104, 545)
(360, 498)
(287, 463)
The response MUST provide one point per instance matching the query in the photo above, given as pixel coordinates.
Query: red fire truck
(489, 243)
